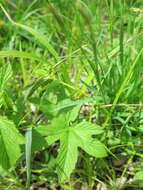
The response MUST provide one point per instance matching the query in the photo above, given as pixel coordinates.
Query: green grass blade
(20, 54)
(28, 144)
(123, 85)
(36, 34)
(121, 45)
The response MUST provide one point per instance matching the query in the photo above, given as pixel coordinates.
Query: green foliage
(138, 176)
(10, 140)
(5, 76)
(71, 91)
(72, 137)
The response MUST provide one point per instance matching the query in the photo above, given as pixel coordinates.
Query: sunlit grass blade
(28, 144)
(121, 45)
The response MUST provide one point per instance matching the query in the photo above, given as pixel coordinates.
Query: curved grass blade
(20, 54)
(35, 33)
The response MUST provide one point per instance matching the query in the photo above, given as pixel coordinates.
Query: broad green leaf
(58, 126)
(10, 140)
(73, 114)
(94, 148)
(71, 108)
(45, 106)
(38, 142)
(54, 92)
(50, 140)
(138, 176)
(86, 129)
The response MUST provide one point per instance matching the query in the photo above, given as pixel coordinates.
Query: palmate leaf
(10, 140)
(72, 137)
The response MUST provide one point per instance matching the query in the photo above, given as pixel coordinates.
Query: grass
(94, 49)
